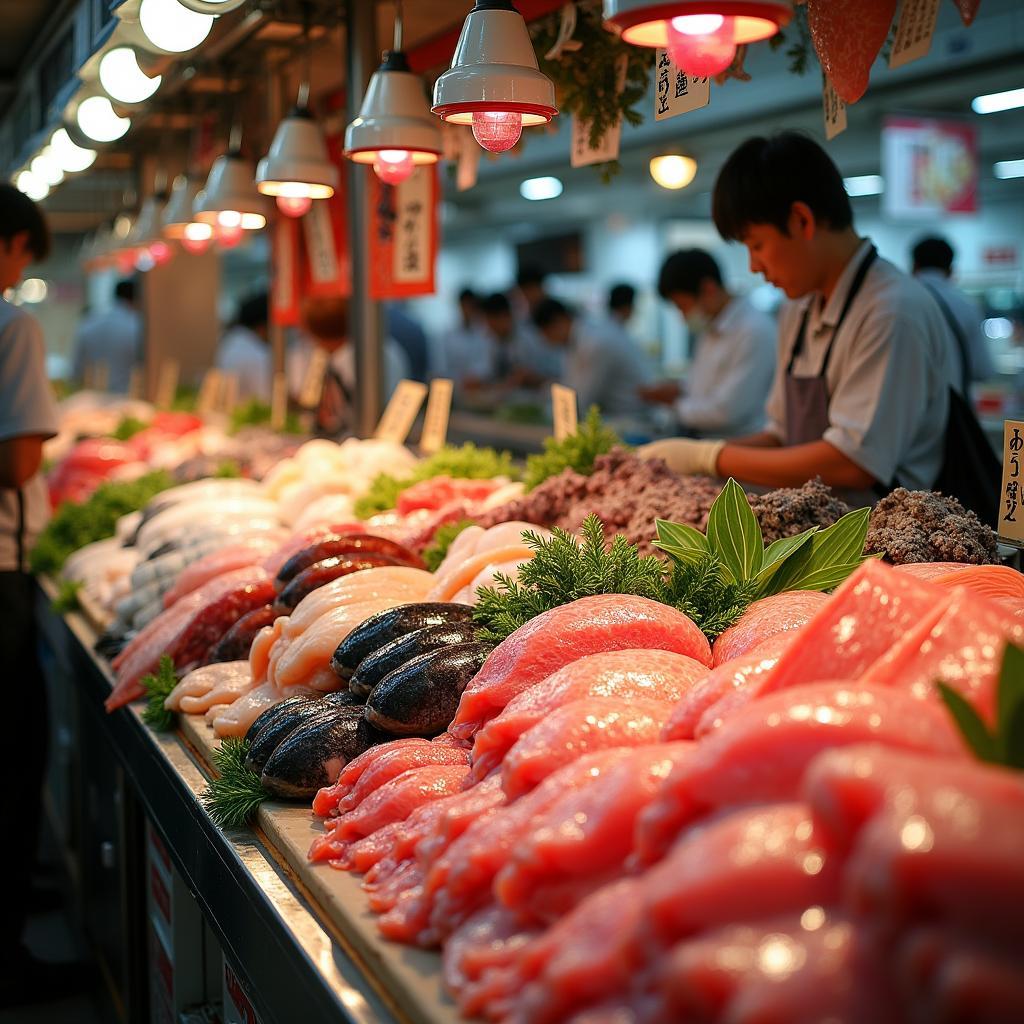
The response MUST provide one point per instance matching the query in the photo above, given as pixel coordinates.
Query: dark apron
(807, 398)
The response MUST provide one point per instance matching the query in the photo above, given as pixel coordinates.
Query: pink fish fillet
(577, 728)
(303, 539)
(761, 752)
(582, 842)
(620, 675)
(588, 626)
(252, 551)
(325, 803)
(766, 618)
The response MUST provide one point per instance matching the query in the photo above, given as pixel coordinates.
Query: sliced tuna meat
(766, 618)
(991, 581)
(590, 625)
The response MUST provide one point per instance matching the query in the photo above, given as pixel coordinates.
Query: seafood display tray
(303, 935)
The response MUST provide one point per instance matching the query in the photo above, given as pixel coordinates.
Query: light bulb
(496, 130)
(294, 206)
(123, 79)
(97, 119)
(70, 156)
(33, 186)
(196, 237)
(160, 252)
(229, 219)
(228, 236)
(393, 166)
(672, 170)
(46, 168)
(701, 44)
(171, 27)
(125, 260)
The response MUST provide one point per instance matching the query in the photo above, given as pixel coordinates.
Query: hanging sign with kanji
(676, 92)
(403, 235)
(1011, 496)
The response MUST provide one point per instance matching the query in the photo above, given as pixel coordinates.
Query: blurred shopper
(603, 368)
(411, 338)
(28, 416)
(621, 303)
(732, 350)
(508, 368)
(112, 339)
(245, 349)
(546, 362)
(933, 267)
(863, 384)
(466, 349)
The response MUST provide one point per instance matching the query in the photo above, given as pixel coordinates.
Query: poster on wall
(403, 235)
(930, 167)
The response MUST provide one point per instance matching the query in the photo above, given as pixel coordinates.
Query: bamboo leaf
(973, 729)
(1009, 701)
(776, 555)
(734, 533)
(829, 558)
(683, 543)
(828, 577)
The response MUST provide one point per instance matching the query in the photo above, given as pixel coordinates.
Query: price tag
(279, 402)
(675, 91)
(834, 109)
(209, 392)
(435, 419)
(564, 412)
(401, 412)
(167, 383)
(914, 31)
(313, 378)
(229, 393)
(101, 376)
(582, 153)
(1011, 496)
(320, 248)
(136, 383)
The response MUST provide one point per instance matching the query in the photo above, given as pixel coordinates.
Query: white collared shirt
(606, 368)
(968, 317)
(888, 377)
(731, 373)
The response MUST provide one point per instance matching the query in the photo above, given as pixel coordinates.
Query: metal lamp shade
(149, 225)
(393, 115)
(297, 157)
(230, 188)
(179, 207)
(645, 23)
(494, 69)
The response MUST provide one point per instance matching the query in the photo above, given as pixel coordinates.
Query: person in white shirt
(734, 359)
(111, 339)
(467, 350)
(864, 374)
(540, 362)
(601, 366)
(933, 267)
(245, 349)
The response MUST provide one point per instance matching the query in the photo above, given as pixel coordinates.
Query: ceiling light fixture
(995, 102)
(701, 36)
(122, 78)
(47, 168)
(172, 27)
(69, 155)
(1008, 169)
(196, 237)
(230, 199)
(178, 214)
(494, 83)
(214, 7)
(97, 120)
(32, 186)
(864, 185)
(672, 170)
(536, 189)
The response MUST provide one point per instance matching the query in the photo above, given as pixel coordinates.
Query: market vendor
(865, 358)
(245, 348)
(733, 358)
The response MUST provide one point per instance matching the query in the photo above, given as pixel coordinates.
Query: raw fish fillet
(235, 719)
(583, 840)
(576, 728)
(738, 674)
(991, 581)
(200, 690)
(762, 751)
(766, 618)
(262, 645)
(252, 551)
(446, 586)
(619, 675)
(590, 625)
(302, 539)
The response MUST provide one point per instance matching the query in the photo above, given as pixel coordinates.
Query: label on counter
(167, 383)
(833, 108)
(1011, 495)
(209, 392)
(229, 393)
(279, 402)
(563, 411)
(914, 31)
(313, 378)
(675, 91)
(435, 419)
(401, 412)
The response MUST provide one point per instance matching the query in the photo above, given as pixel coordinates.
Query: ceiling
(22, 22)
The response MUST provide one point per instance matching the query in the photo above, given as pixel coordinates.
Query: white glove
(685, 456)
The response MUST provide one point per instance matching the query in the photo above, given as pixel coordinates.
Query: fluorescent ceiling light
(1008, 169)
(864, 185)
(540, 188)
(994, 102)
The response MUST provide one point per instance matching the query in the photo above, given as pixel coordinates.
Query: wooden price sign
(136, 383)
(279, 402)
(167, 383)
(435, 419)
(1011, 495)
(313, 379)
(401, 412)
(564, 411)
(229, 393)
(209, 392)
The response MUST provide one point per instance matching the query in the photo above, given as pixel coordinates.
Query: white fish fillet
(222, 683)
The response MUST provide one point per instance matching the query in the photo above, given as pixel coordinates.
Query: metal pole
(278, 341)
(364, 314)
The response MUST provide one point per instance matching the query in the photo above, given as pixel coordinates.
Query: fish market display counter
(184, 916)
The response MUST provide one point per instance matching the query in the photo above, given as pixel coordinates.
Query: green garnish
(1005, 744)
(255, 413)
(701, 590)
(157, 688)
(67, 597)
(577, 452)
(813, 560)
(128, 428)
(466, 463)
(233, 798)
(228, 470)
(435, 554)
(75, 525)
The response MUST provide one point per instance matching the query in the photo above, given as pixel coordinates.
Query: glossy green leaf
(1009, 697)
(734, 533)
(683, 543)
(776, 555)
(973, 729)
(830, 557)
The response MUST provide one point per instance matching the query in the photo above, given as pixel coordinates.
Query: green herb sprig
(128, 428)
(700, 590)
(158, 688)
(1004, 744)
(67, 597)
(233, 798)
(577, 452)
(435, 553)
(256, 413)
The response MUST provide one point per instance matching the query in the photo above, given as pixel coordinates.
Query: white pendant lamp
(172, 27)
(214, 7)
(122, 78)
(494, 83)
(97, 120)
(178, 214)
(230, 200)
(701, 35)
(71, 157)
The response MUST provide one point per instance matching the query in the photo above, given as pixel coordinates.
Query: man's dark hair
(254, 311)
(468, 295)
(125, 290)
(548, 311)
(621, 296)
(764, 177)
(684, 271)
(530, 273)
(17, 214)
(933, 253)
(495, 304)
